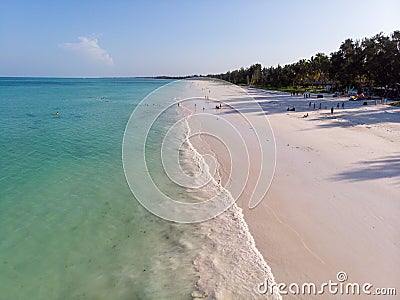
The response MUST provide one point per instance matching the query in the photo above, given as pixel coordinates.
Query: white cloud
(89, 47)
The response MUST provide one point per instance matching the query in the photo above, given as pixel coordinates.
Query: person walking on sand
(332, 110)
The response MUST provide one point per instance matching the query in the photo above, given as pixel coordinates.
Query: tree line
(370, 62)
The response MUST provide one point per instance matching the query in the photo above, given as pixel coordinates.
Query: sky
(149, 38)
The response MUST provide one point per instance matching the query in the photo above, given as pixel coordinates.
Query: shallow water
(69, 226)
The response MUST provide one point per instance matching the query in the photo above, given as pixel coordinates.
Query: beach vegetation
(370, 65)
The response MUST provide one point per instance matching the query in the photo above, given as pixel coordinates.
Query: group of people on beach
(305, 95)
(312, 104)
(320, 105)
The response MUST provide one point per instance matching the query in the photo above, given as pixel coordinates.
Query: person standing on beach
(342, 104)
(320, 105)
(314, 105)
(332, 110)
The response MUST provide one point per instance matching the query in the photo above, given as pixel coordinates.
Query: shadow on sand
(385, 167)
(353, 114)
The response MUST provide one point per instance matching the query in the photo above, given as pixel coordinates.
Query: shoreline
(233, 223)
(333, 194)
(322, 214)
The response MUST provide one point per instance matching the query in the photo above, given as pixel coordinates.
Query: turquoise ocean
(70, 227)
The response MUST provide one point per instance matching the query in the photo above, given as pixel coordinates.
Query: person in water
(57, 113)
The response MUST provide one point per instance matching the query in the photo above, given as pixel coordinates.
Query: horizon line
(106, 77)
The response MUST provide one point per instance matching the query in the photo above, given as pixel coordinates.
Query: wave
(229, 264)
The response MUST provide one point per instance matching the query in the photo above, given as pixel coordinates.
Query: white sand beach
(334, 203)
